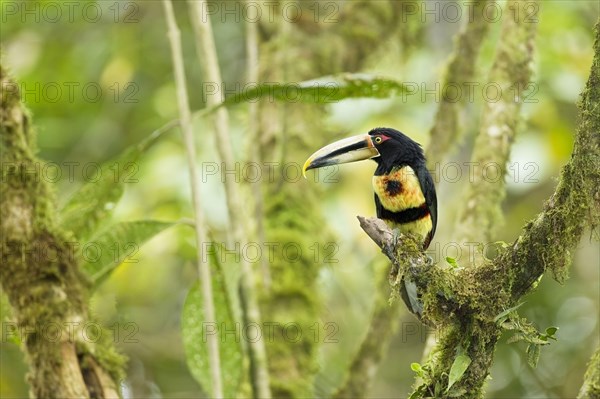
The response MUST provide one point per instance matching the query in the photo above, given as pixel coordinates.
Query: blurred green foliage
(98, 83)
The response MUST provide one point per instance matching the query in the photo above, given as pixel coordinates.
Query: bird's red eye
(380, 138)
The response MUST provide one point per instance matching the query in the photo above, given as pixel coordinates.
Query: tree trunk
(39, 273)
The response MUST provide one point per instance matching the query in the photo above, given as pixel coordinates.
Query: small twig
(379, 232)
(188, 135)
(404, 252)
(238, 226)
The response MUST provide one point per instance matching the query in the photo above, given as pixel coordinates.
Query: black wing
(428, 189)
(378, 206)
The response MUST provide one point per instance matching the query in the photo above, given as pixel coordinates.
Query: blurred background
(97, 77)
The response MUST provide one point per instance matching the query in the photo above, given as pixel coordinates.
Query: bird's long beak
(351, 149)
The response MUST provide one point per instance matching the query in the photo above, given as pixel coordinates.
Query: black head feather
(397, 150)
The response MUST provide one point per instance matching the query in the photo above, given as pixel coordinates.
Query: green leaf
(502, 244)
(419, 371)
(418, 393)
(416, 367)
(115, 245)
(459, 366)
(327, 89)
(550, 331)
(501, 317)
(92, 205)
(533, 354)
(231, 278)
(195, 332)
(452, 262)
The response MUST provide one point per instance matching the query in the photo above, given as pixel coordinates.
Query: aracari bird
(405, 196)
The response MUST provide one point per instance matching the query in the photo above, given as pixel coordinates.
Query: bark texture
(39, 273)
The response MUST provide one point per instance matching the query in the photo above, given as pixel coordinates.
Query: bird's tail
(410, 296)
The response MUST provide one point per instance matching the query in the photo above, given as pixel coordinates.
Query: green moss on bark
(549, 240)
(460, 70)
(291, 304)
(39, 274)
(591, 381)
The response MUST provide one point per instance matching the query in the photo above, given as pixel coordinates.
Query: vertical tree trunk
(39, 273)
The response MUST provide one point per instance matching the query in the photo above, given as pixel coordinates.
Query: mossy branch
(548, 241)
(460, 70)
(463, 302)
(510, 74)
(39, 272)
(590, 388)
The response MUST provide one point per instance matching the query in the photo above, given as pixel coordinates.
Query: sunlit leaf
(324, 90)
(452, 262)
(118, 244)
(416, 367)
(458, 368)
(195, 331)
(91, 206)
